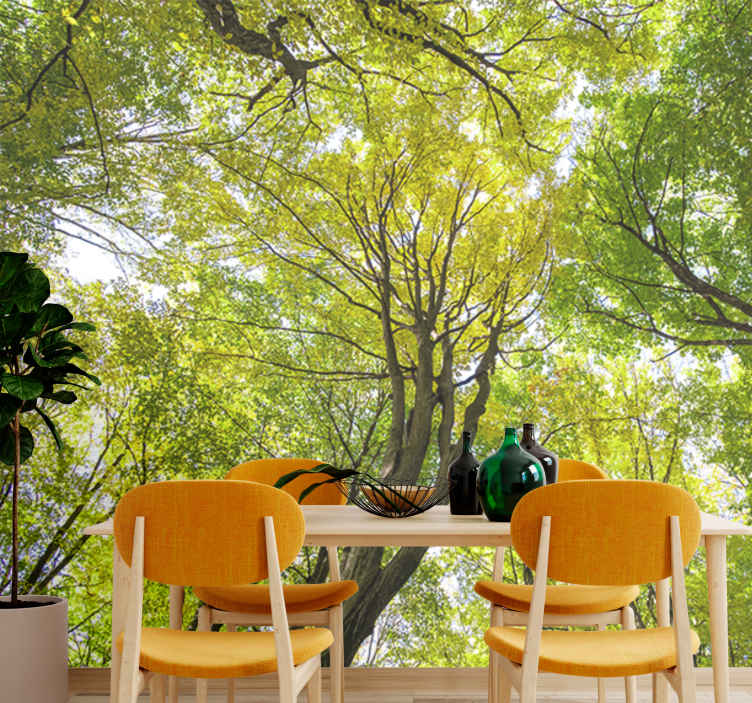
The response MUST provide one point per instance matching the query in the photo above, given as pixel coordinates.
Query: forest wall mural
(350, 230)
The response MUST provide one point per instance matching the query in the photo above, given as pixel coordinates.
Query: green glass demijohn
(504, 477)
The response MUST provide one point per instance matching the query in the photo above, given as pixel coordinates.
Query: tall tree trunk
(377, 586)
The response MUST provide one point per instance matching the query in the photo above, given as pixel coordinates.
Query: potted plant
(36, 373)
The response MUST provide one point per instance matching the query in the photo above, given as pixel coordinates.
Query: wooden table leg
(120, 574)
(336, 625)
(715, 549)
(661, 690)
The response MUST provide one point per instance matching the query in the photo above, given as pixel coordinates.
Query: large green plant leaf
(59, 358)
(84, 326)
(29, 291)
(9, 406)
(23, 387)
(53, 341)
(72, 368)
(65, 397)
(11, 264)
(51, 427)
(51, 315)
(8, 445)
(13, 327)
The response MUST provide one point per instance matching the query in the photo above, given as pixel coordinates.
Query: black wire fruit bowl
(383, 498)
(392, 498)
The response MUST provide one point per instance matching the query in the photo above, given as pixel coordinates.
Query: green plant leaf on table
(309, 489)
(327, 469)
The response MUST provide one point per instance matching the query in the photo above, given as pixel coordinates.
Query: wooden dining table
(341, 526)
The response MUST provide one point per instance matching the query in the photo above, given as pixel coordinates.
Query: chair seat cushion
(560, 599)
(299, 598)
(599, 653)
(216, 655)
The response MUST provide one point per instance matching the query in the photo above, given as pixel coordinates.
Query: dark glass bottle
(549, 461)
(463, 478)
(504, 477)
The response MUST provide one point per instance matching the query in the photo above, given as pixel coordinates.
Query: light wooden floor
(703, 696)
(422, 686)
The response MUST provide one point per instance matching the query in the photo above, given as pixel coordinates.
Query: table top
(348, 525)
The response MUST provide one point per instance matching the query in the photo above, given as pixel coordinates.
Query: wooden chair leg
(177, 601)
(172, 689)
(492, 667)
(337, 656)
(502, 685)
(157, 688)
(313, 687)
(601, 682)
(601, 691)
(495, 674)
(684, 660)
(202, 690)
(203, 625)
(661, 687)
(231, 682)
(630, 682)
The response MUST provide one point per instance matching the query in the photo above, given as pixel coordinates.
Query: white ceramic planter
(34, 652)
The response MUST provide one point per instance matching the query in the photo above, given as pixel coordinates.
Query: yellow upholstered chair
(565, 604)
(575, 470)
(307, 604)
(612, 533)
(212, 533)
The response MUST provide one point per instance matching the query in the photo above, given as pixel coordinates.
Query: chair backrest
(269, 470)
(574, 470)
(606, 532)
(208, 533)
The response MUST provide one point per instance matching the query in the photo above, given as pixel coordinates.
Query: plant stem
(16, 467)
